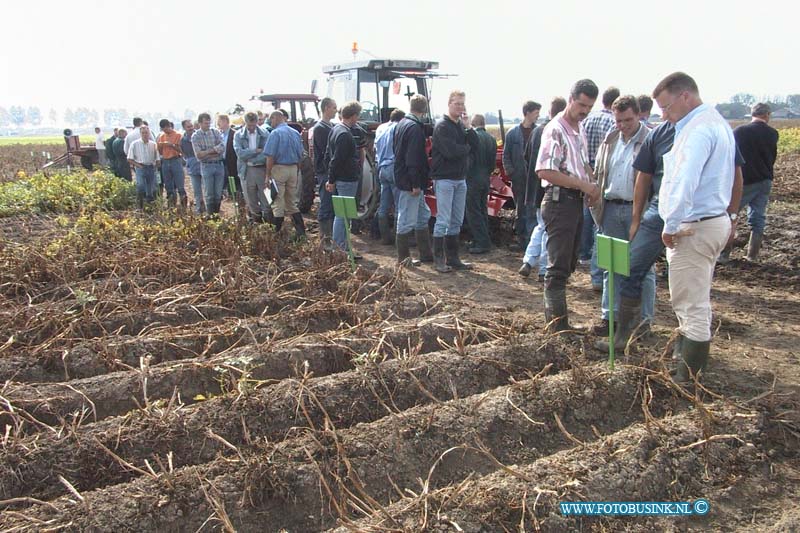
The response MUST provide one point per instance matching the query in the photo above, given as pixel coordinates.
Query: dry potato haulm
(168, 367)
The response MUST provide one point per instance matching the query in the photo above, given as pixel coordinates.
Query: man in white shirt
(143, 156)
(100, 144)
(134, 134)
(693, 202)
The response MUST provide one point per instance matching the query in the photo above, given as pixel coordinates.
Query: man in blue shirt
(384, 138)
(284, 150)
(694, 200)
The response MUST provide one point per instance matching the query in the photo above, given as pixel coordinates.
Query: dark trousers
(476, 215)
(521, 223)
(563, 220)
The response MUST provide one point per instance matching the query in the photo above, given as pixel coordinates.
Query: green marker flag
(345, 207)
(613, 255)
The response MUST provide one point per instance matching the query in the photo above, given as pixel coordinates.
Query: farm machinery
(87, 154)
(382, 85)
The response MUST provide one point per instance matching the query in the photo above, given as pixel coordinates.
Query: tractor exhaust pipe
(502, 126)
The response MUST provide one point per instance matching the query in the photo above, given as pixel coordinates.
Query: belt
(619, 201)
(575, 194)
(285, 164)
(255, 166)
(706, 218)
(169, 158)
(211, 162)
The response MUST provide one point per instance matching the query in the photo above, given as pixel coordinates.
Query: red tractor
(382, 85)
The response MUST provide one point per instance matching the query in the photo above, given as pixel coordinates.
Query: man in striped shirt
(563, 166)
(209, 149)
(143, 156)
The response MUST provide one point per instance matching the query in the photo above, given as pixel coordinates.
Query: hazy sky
(209, 55)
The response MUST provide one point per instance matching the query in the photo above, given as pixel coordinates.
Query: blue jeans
(213, 183)
(197, 189)
(343, 188)
(173, 177)
(646, 248)
(756, 197)
(595, 272)
(146, 182)
(451, 199)
(587, 235)
(412, 212)
(389, 193)
(537, 246)
(325, 204)
(617, 223)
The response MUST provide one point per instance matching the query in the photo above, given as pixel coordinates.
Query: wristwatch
(733, 216)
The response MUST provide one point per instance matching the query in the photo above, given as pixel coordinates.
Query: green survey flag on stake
(613, 255)
(345, 207)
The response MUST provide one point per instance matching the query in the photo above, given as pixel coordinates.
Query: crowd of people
(677, 187)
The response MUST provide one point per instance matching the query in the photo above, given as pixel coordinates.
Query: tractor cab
(303, 108)
(380, 85)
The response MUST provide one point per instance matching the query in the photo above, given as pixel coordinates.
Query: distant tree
(793, 100)
(491, 118)
(34, 116)
(733, 110)
(5, 117)
(110, 117)
(124, 117)
(190, 114)
(743, 98)
(69, 117)
(53, 116)
(93, 117)
(17, 115)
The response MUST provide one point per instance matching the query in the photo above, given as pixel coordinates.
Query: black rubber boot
(423, 237)
(278, 224)
(555, 310)
(630, 314)
(140, 200)
(694, 360)
(438, 255)
(325, 234)
(299, 226)
(451, 249)
(385, 229)
(403, 250)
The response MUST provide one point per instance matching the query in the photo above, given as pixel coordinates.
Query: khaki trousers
(286, 178)
(691, 269)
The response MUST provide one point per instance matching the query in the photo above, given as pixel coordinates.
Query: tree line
(17, 116)
(739, 105)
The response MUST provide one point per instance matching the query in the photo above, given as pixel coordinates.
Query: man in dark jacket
(319, 146)
(758, 142)
(122, 167)
(517, 168)
(536, 252)
(344, 169)
(482, 164)
(411, 179)
(109, 144)
(453, 140)
(230, 162)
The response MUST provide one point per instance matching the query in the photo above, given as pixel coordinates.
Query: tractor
(87, 154)
(382, 85)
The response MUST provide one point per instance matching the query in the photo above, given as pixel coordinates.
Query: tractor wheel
(369, 189)
(308, 185)
(87, 161)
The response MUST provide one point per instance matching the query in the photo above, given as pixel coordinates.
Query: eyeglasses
(666, 108)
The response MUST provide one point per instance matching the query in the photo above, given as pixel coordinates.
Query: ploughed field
(161, 373)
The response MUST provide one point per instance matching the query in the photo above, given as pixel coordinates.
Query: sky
(207, 55)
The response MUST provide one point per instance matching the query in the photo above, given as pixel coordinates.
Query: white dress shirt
(698, 171)
(145, 154)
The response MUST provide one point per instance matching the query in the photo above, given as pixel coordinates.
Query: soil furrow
(643, 463)
(286, 485)
(30, 466)
(117, 393)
